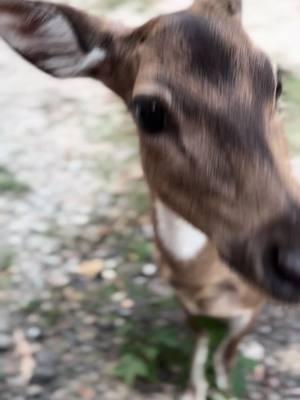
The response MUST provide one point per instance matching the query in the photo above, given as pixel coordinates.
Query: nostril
(289, 261)
(284, 261)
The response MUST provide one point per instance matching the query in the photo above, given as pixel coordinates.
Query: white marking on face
(178, 236)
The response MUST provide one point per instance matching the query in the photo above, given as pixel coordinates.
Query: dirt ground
(76, 266)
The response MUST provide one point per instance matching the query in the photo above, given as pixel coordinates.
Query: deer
(204, 98)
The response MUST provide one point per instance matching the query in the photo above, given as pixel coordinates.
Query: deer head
(204, 101)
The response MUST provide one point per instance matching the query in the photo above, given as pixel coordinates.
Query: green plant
(162, 352)
(7, 257)
(166, 351)
(142, 249)
(9, 184)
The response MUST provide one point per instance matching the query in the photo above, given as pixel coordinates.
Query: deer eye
(150, 114)
(279, 88)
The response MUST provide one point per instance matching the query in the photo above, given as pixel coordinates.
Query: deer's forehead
(204, 46)
(197, 55)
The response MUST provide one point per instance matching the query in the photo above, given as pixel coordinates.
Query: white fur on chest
(179, 237)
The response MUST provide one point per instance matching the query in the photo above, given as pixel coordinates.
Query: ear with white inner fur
(230, 8)
(57, 39)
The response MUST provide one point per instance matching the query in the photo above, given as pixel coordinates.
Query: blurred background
(83, 313)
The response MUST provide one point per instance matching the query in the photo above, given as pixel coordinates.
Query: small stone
(148, 231)
(34, 333)
(58, 279)
(119, 322)
(72, 295)
(109, 275)
(118, 297)
(81, 220)
(113, 263)
(47, 358)
(34, 391)
(125, 312)
(293, 392)
(5, 323)
(87, 393)
(89, 320)
(256, 396)
(259, 373)
(127, 304)
(274, 396)
(60, 394)
(87, 335)
(43, 375)
(6, 342)
(254, 351)
(274, 383)
(140, 280)
(265, 329)
(149, 269)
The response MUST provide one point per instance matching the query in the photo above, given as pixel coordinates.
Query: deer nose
(288, 263)
(284, 261)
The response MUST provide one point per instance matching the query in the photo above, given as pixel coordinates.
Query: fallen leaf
(91, 269)
(87, 393)
(25, 351)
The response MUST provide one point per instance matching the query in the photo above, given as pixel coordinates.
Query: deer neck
(182, 241)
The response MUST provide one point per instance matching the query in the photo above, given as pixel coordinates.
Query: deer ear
(231, 8)
(57, 39)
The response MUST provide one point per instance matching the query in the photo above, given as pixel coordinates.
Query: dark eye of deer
(279, 89)
(150, 114)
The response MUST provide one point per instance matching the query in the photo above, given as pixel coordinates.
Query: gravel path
(74, 230)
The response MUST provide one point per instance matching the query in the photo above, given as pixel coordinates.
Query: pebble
(140, 280)
(274, 396)
(254, 351)
(127, 304)
(5, 323)
(149, 269)
(34, 391)
(148, 231)
(118, 297)
(113, 263)
(34, 333)
(259, 373)
(293, 394)
(60, 394)
(109, 275)
(43, 375)
(265, 329)
(119, 322)
(58, 279)
(274, 383)
(6, 342)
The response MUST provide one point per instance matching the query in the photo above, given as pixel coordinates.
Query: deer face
(204, 101)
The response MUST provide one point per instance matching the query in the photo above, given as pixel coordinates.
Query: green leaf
(151, 353)
(130, 368)
(243, 367)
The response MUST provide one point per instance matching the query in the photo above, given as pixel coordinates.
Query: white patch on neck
(178, 236)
